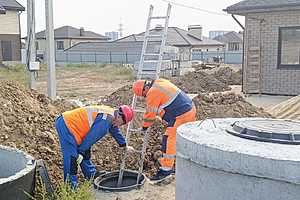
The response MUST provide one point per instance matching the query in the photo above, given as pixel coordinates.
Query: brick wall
(274, 80)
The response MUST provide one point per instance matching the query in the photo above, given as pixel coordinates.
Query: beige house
(272, 46)
(66, 37)
(10, 41)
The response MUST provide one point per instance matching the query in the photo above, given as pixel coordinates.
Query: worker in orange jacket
(79, 129)
(175, 108)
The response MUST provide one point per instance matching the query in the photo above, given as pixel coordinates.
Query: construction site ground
(27, 117)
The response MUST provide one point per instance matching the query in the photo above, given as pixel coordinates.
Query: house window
(60, 45)
(233, 46)
(289, 47)
(196, 50)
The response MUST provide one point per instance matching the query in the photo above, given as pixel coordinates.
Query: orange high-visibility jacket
(166, 100)
(80, 120)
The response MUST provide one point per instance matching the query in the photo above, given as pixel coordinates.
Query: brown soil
(228, 76)
(27, 123)
(200, 82)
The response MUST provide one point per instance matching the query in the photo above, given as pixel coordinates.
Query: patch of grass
(16, 72)
(64, 191)
(82, 65)
(113, 72)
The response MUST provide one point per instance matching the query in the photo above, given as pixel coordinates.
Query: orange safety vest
(80, 120)
(161, 94)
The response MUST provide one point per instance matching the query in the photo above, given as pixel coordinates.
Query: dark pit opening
(109, 181)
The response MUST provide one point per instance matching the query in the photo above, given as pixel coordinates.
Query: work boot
(161, 174)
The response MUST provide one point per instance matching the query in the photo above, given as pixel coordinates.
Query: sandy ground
(87, 82)
(147, 192)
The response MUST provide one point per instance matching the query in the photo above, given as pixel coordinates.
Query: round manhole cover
(268, 130)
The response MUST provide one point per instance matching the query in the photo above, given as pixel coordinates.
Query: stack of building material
(289, 109)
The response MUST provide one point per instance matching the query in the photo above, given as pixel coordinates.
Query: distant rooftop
(69, 32)
(249, 6)
(11, 5)
(230, 37)
(176, 37)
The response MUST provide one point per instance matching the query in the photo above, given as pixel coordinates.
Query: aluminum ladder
(146, 74)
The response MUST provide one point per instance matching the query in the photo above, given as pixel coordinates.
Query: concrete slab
(266, 101)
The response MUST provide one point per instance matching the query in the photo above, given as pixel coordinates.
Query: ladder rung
(151, 54)
(150, 61)
(135, 130)
(154, 61)
(155, 36)
(139, 110)
(159, 17)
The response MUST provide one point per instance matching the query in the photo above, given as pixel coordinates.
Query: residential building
(272, 41)
(113, 35)
(213, 34)
(10, 33)
(232, 40)
(66, 37)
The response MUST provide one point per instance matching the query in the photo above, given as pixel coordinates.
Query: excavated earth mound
(228, 76)
(27, 122)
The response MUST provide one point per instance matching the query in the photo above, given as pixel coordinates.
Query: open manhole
(109, 181)
(268, 130)
(17, 174)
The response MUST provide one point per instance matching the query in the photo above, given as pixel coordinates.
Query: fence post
(95, 58)
(224, 57)
(126, 57)
(80, 58)
(110, 59)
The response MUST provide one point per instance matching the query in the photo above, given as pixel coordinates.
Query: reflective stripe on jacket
(80, 120)
(166, 100)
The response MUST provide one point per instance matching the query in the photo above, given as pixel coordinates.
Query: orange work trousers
(169, 139)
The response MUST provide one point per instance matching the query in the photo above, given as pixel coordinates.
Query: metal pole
(31, 50)
(50, 49)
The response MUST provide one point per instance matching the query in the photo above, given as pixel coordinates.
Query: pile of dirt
(27, 123)
(222, 105)
(228, 76)
(200, 82)
(214, 105)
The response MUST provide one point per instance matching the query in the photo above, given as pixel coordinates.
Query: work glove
(79, 159)
(130, 149)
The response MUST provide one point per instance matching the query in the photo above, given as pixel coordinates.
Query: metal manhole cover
(268, 130)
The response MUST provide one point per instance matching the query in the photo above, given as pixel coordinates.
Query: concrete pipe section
(234, 159)
(17, 174)
(109, 181)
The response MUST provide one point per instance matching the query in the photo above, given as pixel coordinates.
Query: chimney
(195, 31)
(81, 31)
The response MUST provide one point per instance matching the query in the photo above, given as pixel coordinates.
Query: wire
(195, 8)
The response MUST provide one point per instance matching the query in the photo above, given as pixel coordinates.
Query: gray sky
(105, 15)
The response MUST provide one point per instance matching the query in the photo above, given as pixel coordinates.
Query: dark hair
(120, 112)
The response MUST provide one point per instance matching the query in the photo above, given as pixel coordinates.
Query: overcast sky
(105, 15)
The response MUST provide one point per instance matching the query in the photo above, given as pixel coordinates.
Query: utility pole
(50, 49)
(31, 49)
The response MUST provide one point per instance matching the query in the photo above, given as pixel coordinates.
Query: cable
(195, 8)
